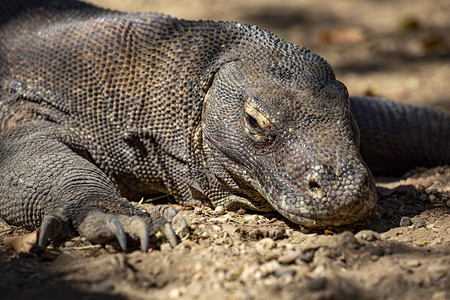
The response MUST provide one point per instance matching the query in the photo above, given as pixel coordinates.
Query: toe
(113, 224)
(52, 228)
(169, 234)
(137, 229)
(174, 217)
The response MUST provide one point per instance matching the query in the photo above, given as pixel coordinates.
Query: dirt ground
(395, 49)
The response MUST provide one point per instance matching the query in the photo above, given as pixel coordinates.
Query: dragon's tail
(396, 137)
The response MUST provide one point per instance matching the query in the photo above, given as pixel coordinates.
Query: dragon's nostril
(313, 185)
(315, 189)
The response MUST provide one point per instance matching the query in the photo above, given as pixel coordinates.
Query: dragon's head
(279, 134)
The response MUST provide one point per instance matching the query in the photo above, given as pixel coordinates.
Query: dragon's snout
(323, 197)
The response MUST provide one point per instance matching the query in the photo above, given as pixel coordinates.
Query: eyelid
(263, 121)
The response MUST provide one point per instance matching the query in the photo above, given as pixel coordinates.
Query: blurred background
(398, 49)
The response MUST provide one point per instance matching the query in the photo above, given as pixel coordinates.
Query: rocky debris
(275, 233)
(220, 210)
(377, 251)
(405, 221)
(290, 257)
(364, 236)
(265, 244)
(433, 198)
(420, 223)
(246, 255)
(219, 260)
(317, 284)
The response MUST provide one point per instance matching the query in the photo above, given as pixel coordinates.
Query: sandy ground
(395, 49)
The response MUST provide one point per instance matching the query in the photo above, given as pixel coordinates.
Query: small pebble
(433, 198)
(347, 239)
(241, 211)
(440, 295)
(69, 243)
(105, 286)
(220, 210)
(405, 221)
(285, 272)
(437, 271)
(317, 284)
(289, 257)
(113, 247)
(367, 235)
(165, 247)
(420, 223)
(377, 251)
(249, 218)
(413, 263)
(265, 244)
(219, 241)
(176, 293)
(423, 197)
(269, 267)
(277, 232)
(231, 229)
(307, 256)
(255, 234)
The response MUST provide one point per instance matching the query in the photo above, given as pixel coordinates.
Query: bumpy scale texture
(96, 105)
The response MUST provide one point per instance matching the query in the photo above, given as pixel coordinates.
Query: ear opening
(207, 82)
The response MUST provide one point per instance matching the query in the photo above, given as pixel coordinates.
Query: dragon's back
(11, 9)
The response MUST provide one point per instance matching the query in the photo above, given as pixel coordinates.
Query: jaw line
(316, 222)
(319, 222)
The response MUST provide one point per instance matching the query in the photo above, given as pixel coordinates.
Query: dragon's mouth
(312, 200)
(329, 221)
(321, 218)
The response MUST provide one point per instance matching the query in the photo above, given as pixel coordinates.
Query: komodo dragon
(97, 105)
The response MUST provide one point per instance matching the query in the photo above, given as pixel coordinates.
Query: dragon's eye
(256, 122)
(252, 124)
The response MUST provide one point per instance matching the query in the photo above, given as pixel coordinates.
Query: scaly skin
(97, 104)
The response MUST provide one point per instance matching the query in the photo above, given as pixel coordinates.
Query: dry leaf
(410, 184)
(347, 36)
(23, 243)
(419, 183)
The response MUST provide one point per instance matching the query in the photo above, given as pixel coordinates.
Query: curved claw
(99, 227)
(143, 234)
(114, 225)
(138, 229)
(174, 217)
(46, 231)
(169, 234)
(52, 227)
